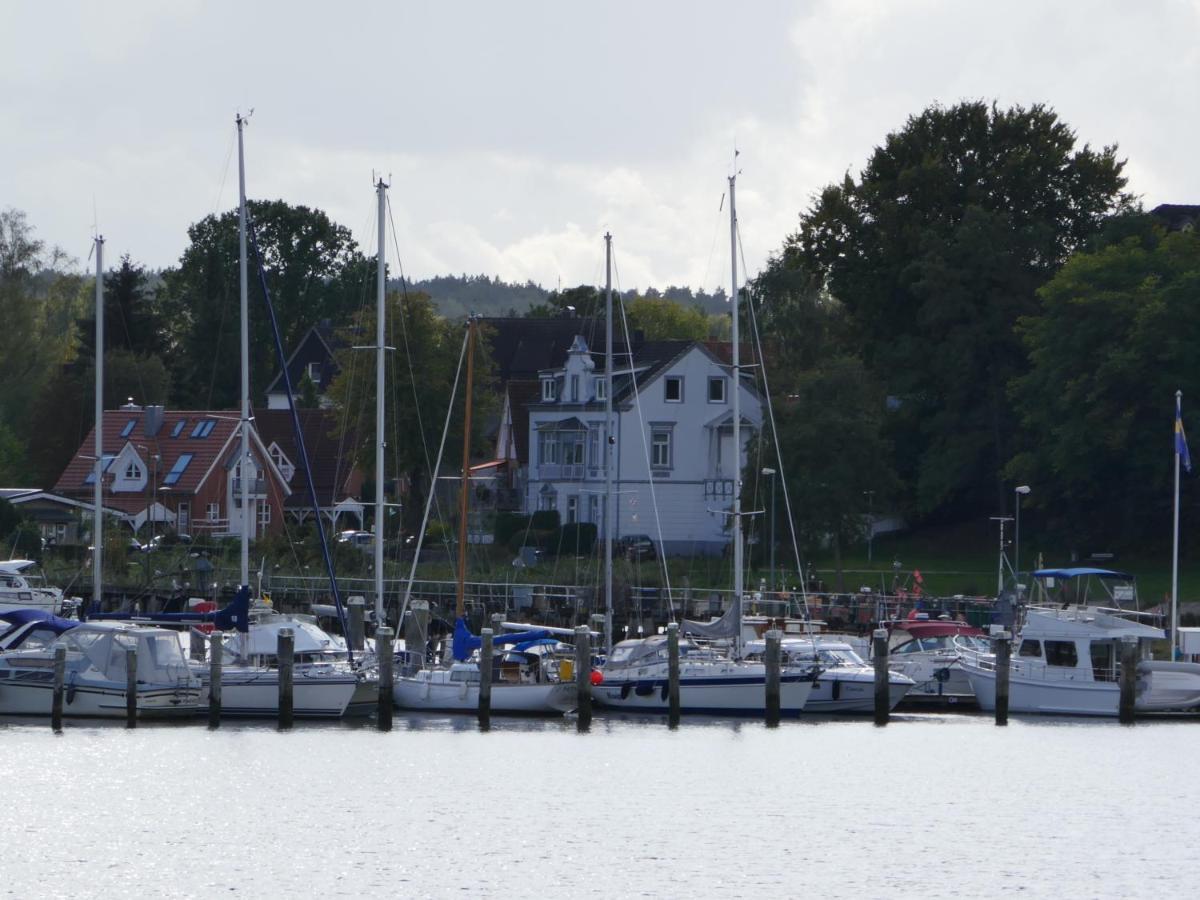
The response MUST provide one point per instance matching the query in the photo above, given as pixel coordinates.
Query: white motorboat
(96, 676)
(928, 651)
(845, 684)
(22, 587)
(635, 675)
(1066, 658)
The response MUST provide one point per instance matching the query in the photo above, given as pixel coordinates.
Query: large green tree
(935, 251)
(662, 320)
(313, 271)
(1116, 336)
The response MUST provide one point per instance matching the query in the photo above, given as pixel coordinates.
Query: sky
(515, 134)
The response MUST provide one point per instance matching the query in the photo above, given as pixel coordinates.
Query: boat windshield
(838, 656)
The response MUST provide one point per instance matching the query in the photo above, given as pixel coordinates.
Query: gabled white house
(674, 460)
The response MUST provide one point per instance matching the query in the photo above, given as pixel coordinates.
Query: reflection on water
(933, 805)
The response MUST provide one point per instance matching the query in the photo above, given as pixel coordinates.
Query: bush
(578, 538)
(510, 524)
(545, 520)
(25, 542)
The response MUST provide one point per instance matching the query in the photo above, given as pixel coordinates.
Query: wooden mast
(460, 608)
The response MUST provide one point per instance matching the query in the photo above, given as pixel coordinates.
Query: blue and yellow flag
(1181, 447)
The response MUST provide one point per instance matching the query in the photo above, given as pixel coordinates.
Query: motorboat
(635, 677)
(22, 586)
(96, 676)
(528, 677)
(1066, 657)
(845, 683)
(928, 651)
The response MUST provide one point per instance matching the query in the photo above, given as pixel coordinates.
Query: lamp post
(870, 495)
(771, 472)
(1018, 493)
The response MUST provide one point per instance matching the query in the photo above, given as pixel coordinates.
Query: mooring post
(773, 659)
(383, 651)
(357, 636)
(130, 687)
(485, 676)
(286, 654)
(196, 644)
(1127, 710)
(583, 675)
(883, 697)
(60, 680)
(215, 646)
(673, 674)
(497, 628)
(1003, 671)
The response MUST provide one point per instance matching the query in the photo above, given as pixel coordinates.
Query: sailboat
(635, 675)
(525, 680)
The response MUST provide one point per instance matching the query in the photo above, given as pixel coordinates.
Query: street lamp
(771, 472)
(1018, 493)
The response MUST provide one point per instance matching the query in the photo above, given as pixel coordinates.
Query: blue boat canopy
(57, 624)
(464, 643)
(234, 616)
(1080, 572)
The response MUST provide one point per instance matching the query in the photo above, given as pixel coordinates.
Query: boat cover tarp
(465, 643)
(725, 627)
(234, 616)
(19, 617)
(1080, 572)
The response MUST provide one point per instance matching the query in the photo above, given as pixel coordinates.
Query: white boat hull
(835, 692)
(255, 692)
(35, 698)
(1030, 695)
(426, 691)
(719, 689)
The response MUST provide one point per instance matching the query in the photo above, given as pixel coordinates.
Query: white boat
(22, 587)
(634, 677)
(845, 683)
(928, 651)
(1066, 658)
(96, 677)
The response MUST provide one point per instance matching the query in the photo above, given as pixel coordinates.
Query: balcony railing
(558, 472)
(258, 487)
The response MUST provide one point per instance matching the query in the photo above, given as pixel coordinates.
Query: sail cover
(725, 627)
(465, 643)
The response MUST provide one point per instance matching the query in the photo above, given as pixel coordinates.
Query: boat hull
(252, 692)
(721, 690)
(834, 692)
(427, 692)
(104, 701)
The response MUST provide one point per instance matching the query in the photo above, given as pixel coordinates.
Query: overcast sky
(516, 133)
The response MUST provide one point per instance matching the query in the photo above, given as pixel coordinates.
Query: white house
(674, 459)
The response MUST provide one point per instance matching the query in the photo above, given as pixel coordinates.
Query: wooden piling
(196, 644)
(883, 696)
(1003, 671)
(215, 648)
(130, 687)
(773, 659)
(357, 636)
(60, 680)
(583, 675)
(485, 676)
(383, 652)
(673, 674)
(286, 655)
(1127, 709)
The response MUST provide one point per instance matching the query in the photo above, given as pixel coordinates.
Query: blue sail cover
(1080, 572)
(235, 615)
(465, 643)
(18, 617)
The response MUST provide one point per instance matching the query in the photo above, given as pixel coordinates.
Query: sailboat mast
(243, 293)
(380, 443)
(460, 608)
(98, 465)
(736, 387)
(608, 443)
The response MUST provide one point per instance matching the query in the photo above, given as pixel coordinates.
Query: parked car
(635, 547)
(363, 539)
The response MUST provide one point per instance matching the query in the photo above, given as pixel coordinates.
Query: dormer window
(549, 390)
(601, 389)
(673, 390)
(574, 388)
(133, 471)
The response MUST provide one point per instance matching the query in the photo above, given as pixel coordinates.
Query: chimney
(154, 420)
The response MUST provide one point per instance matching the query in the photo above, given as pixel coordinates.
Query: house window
(183, 517)
(594, 509)
(128, 429)
(106, 461)
(547, 448)
(572, 509)
(133, 472)
(264, 515)
(213, 512)
(574, 388)
(178, 429)
(716, 390)
(674, 389)
(601, 388)
(286, 469)
(203, 428)
(548, 390)
(314, 372)
(547, 501)
(594, 457)
(572, 444)
(178, 469)
(660, 447)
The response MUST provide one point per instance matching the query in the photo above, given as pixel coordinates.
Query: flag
(1181, 447)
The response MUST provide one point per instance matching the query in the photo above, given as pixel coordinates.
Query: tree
(313, 271)
(583, 302)
(1115, 337)
(662, 320)
(935, 251)
(132, 319)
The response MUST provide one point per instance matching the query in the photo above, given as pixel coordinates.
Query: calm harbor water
(930, 806)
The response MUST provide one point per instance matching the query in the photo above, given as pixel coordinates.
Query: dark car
(635, 547)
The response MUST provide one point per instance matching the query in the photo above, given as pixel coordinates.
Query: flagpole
(1175, 541)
